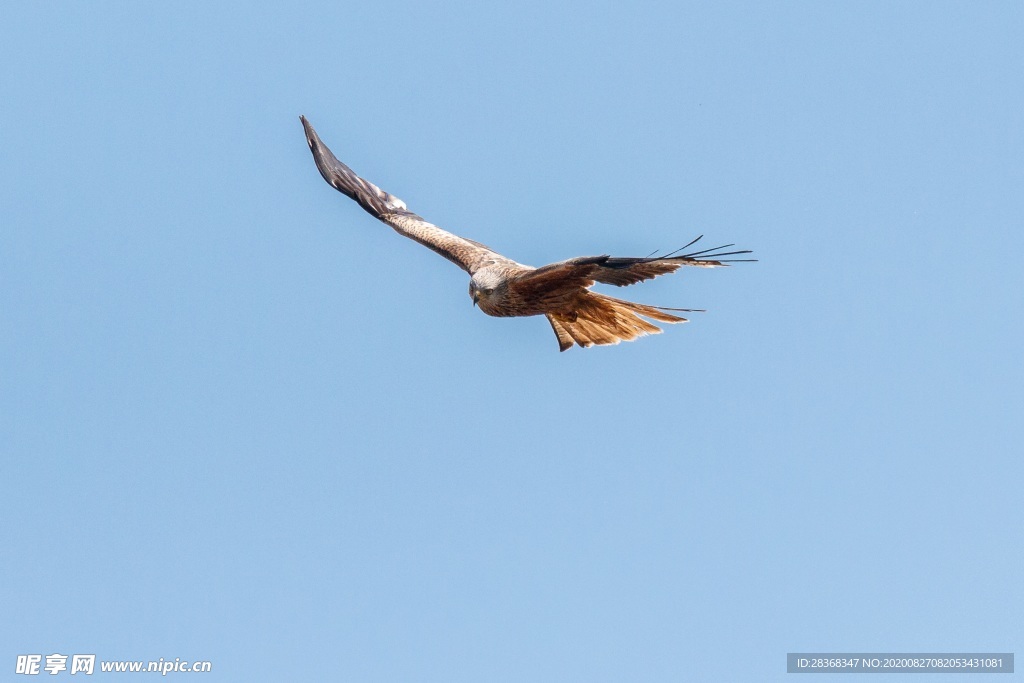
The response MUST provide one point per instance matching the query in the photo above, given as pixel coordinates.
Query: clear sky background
(241, 421)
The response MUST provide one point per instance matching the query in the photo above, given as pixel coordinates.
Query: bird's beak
(476, 297)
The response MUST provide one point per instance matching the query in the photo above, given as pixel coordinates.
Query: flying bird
(503, 288)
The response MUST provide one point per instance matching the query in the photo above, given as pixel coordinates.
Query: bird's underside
(501, 287)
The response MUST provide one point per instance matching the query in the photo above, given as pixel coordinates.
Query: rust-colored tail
(601, 320)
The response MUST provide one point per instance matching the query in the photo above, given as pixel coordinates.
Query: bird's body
(503, 288)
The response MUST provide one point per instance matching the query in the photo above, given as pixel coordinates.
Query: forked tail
(601, 320)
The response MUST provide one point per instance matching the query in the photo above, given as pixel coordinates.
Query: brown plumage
(501, 287)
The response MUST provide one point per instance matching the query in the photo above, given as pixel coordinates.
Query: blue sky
(243, 422)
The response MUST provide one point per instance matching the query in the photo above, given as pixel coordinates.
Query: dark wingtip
(308, 128)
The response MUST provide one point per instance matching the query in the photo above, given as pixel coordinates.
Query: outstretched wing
(466, 254)
(622, 271)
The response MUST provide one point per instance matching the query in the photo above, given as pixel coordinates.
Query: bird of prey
(501, 287)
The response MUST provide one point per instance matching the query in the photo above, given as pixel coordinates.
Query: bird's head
(476, 292)
(483, 284)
